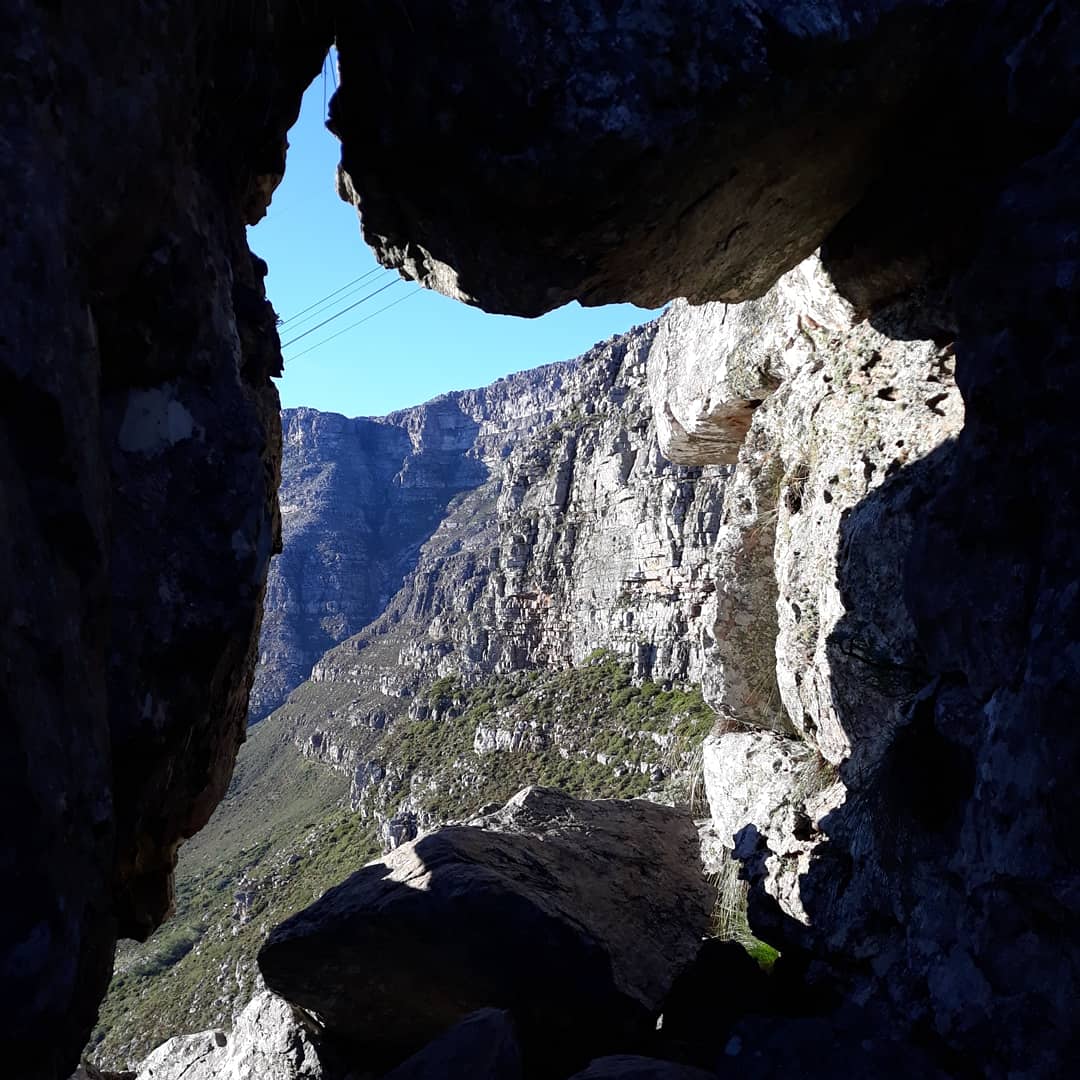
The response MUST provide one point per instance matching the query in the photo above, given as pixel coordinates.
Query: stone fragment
(483, 1046)
(270, 1041)
(576, 916)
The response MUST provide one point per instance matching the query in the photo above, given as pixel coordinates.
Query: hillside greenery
(284, 832)
(278, 840)
(589, 730)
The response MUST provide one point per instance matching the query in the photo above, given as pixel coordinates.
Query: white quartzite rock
(712, 365)
(268, 1042)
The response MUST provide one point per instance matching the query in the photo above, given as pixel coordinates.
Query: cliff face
(358, 498)
(579, 537)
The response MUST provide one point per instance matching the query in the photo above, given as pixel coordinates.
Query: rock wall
(138, 462)
(853, 775)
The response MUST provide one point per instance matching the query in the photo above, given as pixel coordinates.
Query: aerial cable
(329, 296)
(338, 314)
(327, 308)
(353, 326)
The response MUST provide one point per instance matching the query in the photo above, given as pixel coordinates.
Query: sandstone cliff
(545, 522)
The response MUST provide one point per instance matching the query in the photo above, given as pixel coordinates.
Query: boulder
(86, 1071)
(626, 151)
(576, 916)
(483, 1046)
(270, 1041)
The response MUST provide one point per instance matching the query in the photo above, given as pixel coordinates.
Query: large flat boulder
(575, 916)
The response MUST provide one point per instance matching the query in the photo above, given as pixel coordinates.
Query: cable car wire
(338, 314)
(353, 326)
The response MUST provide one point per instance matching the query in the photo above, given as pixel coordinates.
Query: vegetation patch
(589, 730)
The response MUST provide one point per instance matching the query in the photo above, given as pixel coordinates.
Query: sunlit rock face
(358, 497)
(567, 532)
(269, 1041)
(537, 513)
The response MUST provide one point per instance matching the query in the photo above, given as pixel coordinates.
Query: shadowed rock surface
(631, 151)
(629, 1067)
(138, 463)
(483, 1046)
(575, 916)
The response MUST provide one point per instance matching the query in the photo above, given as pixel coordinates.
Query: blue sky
(425, 344)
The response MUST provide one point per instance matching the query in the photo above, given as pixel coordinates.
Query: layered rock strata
(525, 523)
(578, 537)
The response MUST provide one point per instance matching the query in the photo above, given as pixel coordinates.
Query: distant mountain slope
(581, 537)
(360, 496)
